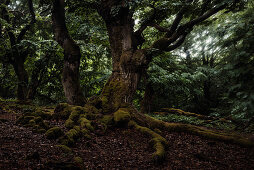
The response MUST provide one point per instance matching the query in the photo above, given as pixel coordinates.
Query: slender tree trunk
(70, 79)
(34, 83)
(128, 62)
(146, 105)
(22, 76)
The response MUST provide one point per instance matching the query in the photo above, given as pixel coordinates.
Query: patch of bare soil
(20, 148)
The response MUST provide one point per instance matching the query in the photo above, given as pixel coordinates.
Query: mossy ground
(82, 122)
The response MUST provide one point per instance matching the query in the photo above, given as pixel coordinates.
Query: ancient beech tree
(70, 79)
(113, 107)
(129, 61)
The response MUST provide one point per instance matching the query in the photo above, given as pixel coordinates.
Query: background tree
(16, 56)
(72, 55)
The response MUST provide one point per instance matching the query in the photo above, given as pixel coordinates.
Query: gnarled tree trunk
(128, 61)
(70, 79)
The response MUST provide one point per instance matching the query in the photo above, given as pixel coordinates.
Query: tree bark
(128, 61)
(146, 105)
(70, 79)
(22, 76)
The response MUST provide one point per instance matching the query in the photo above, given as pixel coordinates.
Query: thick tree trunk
(128, 61)
(70, 79)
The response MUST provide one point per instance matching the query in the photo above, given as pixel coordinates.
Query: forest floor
(117, 148)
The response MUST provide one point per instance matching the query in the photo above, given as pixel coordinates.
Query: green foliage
(176, 84)
(239, 60)
(91, 36)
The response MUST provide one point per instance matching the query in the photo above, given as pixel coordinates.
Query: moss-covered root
(65, 149)
(122, 117)
(54, 133)
(200, 131)
(62, 111)
(86, 124)
(157, 141)
(181, 112)
(31, 121)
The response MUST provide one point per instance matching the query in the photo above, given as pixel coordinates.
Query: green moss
(43, 125)
(77, 128)
(69, 123)
(95, 101)
(85, 133)
(122, 116)
(78, 161)
(54, 133)
(62, 111)
(200, 131)
(91, 110)
(157, 130)
(181, 112)
(159, 153)
(31, 123)
(113, 95)
(38, 129)
(43, 114)
(85, 123)
(64, 148)
(74, 115)
(107, 120)
(24, 119)
(157, 141)
(72, 134)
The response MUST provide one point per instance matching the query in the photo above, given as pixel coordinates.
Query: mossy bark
(129, 62)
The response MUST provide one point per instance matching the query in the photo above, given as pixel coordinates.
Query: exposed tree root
(208, 119)
(148, 125)
(166, 111)
(157, 140)
(81, 121)
(196, 130)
